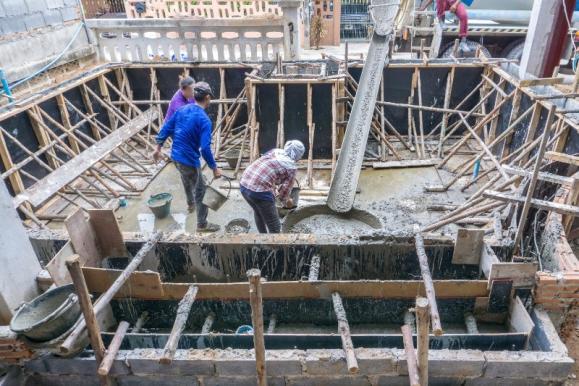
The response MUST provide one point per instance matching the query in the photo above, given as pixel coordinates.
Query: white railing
(188, 39)
(209, 9)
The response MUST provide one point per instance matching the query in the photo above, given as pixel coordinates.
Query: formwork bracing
(466, 200)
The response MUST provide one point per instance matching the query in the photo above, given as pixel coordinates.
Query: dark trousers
(194, 190)
(265, 213)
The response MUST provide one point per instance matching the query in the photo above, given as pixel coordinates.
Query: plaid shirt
(264, 174)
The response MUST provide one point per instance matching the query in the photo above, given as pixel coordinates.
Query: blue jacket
(190, 128)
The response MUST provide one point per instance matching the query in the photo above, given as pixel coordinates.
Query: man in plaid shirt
(260, 180)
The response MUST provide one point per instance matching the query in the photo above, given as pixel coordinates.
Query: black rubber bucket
(48, 315)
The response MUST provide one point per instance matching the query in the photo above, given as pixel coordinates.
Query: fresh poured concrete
(396, 196)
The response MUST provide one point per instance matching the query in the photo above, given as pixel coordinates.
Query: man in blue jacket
(190, 129)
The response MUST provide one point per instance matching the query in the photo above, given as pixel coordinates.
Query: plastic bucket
(213, 197)
(160, 204)
(48, 315)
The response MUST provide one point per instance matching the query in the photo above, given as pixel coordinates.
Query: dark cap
(201, 89)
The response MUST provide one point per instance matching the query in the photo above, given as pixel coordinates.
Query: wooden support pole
(272, 323)
(428, 286)
(179, 325)
(344, 330)
(420, 113)
(255, 300)
(533, 182)
(410, 320)
(447, 95)
(422, 311)
(106, 297)
(140, 322)
(314, 268)
(470, 323)
(113, 349)
(209, 320)
(410, 356)
(94, 334)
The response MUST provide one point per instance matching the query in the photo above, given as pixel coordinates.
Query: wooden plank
(522, 274)
(562, 157)
(147, 285)
(57, 267)
(108, 233)
(83, 239)
(540, 82)
(139, 282)
(411, 163)
(541, 204)
(543, 176)
(468, 246)
(56, 180)
(519, 318)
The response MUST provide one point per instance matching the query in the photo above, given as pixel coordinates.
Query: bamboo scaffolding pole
(428, 285)
(179, 325)
(255, 300)
(344, 330)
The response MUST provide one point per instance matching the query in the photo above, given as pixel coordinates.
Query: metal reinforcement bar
(345, 181)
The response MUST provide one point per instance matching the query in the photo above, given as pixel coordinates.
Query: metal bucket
(160, 204)
(213, 197)
(48, 315)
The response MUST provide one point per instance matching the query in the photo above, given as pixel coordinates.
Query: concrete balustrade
(248, 36)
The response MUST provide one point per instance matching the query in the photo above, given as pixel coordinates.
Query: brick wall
(17, 16)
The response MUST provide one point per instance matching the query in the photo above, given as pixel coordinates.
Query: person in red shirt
(456, 7)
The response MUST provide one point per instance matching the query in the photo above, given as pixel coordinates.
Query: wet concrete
(395, 196)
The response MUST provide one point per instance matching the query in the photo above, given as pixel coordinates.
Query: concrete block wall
(34, 32)
(18, 16)
(308, 368)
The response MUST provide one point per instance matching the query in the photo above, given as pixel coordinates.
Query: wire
(52, 62)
